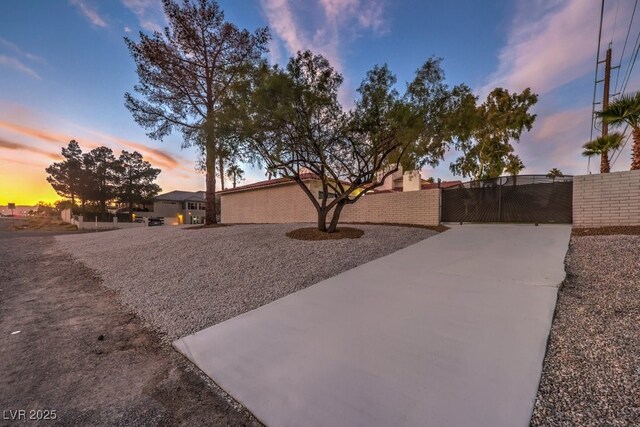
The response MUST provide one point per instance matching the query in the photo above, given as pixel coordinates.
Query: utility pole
(604, 157)
(605, 91)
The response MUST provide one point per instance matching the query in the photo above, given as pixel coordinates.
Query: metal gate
(524, 198)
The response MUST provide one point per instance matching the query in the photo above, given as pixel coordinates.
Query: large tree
(101, 176)
(601, 147)
(186, 75)
(66, 177)
(294, 121)
(448, 115)
(625, 110)
(135, 179)
(490, 129)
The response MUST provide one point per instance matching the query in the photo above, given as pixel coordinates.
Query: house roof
(441, 184)
(269, 183)
(182, 196)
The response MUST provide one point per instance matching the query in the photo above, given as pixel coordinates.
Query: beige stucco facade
(287, 203)
(609, 199)
(175, 213)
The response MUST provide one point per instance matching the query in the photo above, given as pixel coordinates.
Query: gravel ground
(591, 374)
(181, 281)
(81, 354)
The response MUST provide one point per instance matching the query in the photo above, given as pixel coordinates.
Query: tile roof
(268, 183)
(442, 184)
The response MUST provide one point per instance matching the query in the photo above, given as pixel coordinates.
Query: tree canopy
(135, 179)
(66, 176)
(99, 177)
(601, 146)
(488, 129)
(187, 74)
(625, 110)
(294, 121)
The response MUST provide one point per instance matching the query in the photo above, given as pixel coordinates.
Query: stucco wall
(166, 209)
(609, 199)
(288, 203)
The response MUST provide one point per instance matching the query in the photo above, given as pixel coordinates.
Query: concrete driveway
(450, 331)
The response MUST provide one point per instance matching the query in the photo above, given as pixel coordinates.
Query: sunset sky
(64, 69)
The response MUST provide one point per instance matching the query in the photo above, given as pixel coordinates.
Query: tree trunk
(234, 180)
(635, 150)
(221, 162)
(322, 220)
(210, 217)
(336, 217)
(604, 162)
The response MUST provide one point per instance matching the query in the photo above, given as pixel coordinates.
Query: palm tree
(514, 166)
(235, 174)
(601, 146)
(625, 110)
(555, 173)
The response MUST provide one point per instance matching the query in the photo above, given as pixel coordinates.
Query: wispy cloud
(90, 12)
(368, 14)
(21, 52)
(298, 31)
(282, 21)
(326, 32)
(155, 156)
(34, 133)
(551, 43)
(16, 64)
(15, 146)
(150, 13)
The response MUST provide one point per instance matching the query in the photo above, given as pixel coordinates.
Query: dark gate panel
(525, 198)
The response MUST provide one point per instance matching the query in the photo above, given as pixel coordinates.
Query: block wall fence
(609, 199)
(599, 200)
(287, 203)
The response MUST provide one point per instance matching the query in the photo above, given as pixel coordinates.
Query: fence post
(499, 200)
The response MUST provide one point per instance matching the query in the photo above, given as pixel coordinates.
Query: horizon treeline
(98, 177)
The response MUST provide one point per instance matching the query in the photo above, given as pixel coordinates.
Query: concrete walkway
(450, 331)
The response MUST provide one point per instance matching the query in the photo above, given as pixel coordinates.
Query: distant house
(180, 207)
(402, 181)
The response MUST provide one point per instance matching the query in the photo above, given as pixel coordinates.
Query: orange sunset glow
(26, 149)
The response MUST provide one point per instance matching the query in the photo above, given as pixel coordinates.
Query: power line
(613, 162)
(615, 22)
(624, 47)
(634, 57)
(595, 82)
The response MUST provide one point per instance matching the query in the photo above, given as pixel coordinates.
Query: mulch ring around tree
(607, 231)
(312, 233)
(200, 227)
(439, 228)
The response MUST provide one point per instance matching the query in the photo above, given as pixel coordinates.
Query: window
(192, 206)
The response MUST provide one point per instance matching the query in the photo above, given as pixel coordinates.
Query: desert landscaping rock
(591, 373)
(181, 281)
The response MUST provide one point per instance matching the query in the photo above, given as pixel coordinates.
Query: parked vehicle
(155, 221)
